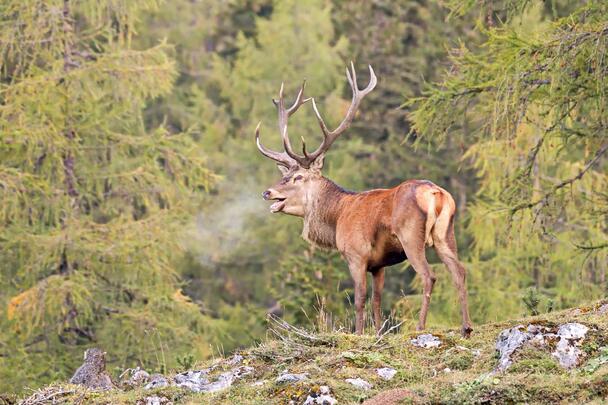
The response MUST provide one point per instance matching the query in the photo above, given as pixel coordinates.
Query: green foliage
(92, 201)
(531, 301)
(110, 141)
(594, 364)
(533, 99)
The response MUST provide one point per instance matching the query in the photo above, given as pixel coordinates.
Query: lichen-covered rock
(570, 337)
(426, 340)
(157, 381)
(134, 377)
(323, 397)
(154, 400)
(386, 373)
(199, 381)
(192, 380)
(508, 341)
(92, 373)
(359, 383)
(236, 359)
(291, 378)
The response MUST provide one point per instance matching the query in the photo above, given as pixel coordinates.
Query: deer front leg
(358, 273)
(377, 298)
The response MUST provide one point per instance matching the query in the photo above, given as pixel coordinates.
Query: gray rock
(291, 378)
(157, 381)
(567, 353)
(236, 359)
(359, 383)
(198, 381)
(323, 397)
(259, 383)
(224, 381)
(509, 340)
(570, 336)
(603, 309)
(193, 380)
(134, 377)
(156, 400)
(386, 373)
(426, 340)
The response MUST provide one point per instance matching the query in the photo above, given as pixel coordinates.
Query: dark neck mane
(322, 215)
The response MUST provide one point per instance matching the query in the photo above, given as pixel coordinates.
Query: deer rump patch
(430, 199)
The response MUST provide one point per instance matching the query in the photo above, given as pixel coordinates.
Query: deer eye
(298, 178)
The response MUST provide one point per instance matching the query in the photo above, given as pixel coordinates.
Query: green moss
(534, 376)
(534, 360)
(461, 360)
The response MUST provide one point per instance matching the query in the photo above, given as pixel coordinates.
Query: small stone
(242, 371)
(447, 370)
(236, 359)
(156, 400)
(359, 383)
(603, 309)
(291, 378)
(386, 373)
(137, 377)
(321, 398)
(157, 381)
(426, 340)
(259, 383)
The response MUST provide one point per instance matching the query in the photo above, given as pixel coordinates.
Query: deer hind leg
(413, 245)
(445, 246)
(377, 297)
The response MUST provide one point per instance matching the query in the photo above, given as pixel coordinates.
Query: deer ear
(317, 164)
(283, 169)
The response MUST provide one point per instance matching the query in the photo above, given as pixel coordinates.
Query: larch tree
(533, 100)
(92, 203)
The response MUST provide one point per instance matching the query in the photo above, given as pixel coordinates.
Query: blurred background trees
(131, 208)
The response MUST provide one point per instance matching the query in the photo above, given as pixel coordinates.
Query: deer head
(302, 173)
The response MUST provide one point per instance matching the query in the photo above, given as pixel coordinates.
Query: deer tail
(431, 218)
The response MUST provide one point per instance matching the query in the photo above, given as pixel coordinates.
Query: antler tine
(354, 77)
(330, 136)
(283, 118)
(299, 100)
(279, 157)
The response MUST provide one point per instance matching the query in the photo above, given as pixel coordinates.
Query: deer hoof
(466, 331)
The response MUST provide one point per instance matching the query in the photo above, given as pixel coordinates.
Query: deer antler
(289, 158)
(329, 137)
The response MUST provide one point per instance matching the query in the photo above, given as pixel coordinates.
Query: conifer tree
(533, 99)
(92, 202)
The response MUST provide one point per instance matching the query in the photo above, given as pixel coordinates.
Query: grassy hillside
(458, 371)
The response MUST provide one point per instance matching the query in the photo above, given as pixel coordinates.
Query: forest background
(131, 210)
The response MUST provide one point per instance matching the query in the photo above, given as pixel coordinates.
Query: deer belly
(386, 254)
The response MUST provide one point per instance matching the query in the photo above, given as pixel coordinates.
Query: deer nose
(266, 194)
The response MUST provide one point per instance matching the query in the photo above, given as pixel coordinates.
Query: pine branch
(543, 200)
(592, 247)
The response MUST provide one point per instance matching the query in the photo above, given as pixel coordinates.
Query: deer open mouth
(278, 205)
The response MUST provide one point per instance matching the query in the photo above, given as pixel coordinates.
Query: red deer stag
(371, 229)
